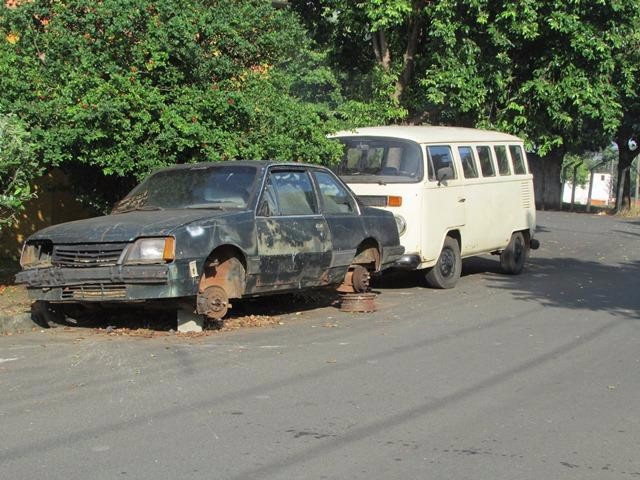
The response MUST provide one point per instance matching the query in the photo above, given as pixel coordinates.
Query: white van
(455, 192)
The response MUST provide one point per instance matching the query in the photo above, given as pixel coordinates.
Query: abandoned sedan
(213, 232)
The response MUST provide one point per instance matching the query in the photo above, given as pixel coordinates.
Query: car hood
(124, 227)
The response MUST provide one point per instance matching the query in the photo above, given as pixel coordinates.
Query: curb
(21, 322)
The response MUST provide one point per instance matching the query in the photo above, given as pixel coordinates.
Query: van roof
(429, 134)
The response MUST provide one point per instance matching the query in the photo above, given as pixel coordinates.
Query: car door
(292, 236)
(346, 228)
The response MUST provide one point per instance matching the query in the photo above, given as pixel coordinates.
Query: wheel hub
(213, 303)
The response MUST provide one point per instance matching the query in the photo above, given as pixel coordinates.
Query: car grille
(98, 291)
(88, 255)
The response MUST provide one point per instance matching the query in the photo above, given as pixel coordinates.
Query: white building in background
(600, 195)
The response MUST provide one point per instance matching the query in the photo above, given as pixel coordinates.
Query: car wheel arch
(225, 267)
(368, 252)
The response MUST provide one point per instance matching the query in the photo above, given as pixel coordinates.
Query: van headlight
(401, 223)
(150, 250)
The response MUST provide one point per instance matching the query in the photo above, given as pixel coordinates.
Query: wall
(599, 195)
(54, 204)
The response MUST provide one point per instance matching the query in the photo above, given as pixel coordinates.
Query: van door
(443, 201)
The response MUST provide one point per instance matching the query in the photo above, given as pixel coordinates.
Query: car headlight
(151, 250)
(36, 254)
(401, 223)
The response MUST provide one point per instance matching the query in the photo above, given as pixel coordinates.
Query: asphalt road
(528, 377)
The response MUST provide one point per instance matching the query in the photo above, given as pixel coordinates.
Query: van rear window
(377, 159)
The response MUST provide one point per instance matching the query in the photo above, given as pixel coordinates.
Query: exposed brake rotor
(360, 279)
(356, 280)
(213, 302)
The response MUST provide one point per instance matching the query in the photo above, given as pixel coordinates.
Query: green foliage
(557, 72)
(568, 168)
(128, 86)
(17, 167)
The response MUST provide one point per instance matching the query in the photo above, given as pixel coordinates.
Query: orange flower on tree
(12, 38)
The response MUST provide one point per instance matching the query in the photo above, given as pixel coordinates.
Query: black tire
(81, 314)
(46, 315)
(446, 272)
(514, 257)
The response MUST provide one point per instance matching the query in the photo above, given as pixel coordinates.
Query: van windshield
(380, 160)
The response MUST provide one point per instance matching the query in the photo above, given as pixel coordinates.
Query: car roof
(238, 163)
(429, 134)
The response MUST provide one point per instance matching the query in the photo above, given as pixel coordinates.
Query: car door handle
(462, 200)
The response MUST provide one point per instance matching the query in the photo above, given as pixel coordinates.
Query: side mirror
(443, 174)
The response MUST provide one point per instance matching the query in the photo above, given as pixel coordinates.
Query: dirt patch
(13, 300)
(237, 323)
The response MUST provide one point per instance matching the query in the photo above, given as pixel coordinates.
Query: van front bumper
(408, 262)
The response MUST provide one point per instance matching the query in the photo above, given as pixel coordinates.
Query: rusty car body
(212, 232)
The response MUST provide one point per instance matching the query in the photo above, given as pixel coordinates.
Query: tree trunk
(413, 34)
(623, 187)
(623, 190)
(547, 182)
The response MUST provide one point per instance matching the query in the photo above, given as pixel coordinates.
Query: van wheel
(514, 257)
(446, 272)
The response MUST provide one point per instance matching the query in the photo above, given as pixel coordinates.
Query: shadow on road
(577, 284)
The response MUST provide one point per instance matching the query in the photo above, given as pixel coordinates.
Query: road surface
(535, 377)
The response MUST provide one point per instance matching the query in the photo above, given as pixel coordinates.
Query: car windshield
(380, 160)
(215, 187)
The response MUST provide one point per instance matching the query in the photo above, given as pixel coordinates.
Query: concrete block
(17, 323)
(189, 321)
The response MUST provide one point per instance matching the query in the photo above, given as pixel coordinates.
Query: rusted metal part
(226, 272)
(370, 255)
(356, 280)
(358, 302)
(360, 279)
(213, 303)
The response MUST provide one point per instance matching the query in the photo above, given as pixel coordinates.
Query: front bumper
(408, 262)
(111, 283)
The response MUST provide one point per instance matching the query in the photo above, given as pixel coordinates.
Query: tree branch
(381, 49)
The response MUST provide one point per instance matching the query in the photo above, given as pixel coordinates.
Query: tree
(17, 168)
(540, 69)
(124, 87)
(628, 132)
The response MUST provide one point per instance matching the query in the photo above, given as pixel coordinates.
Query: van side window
(503, 160)
(486, 164)
(469, 169)
(440, 161)
(518, 159)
